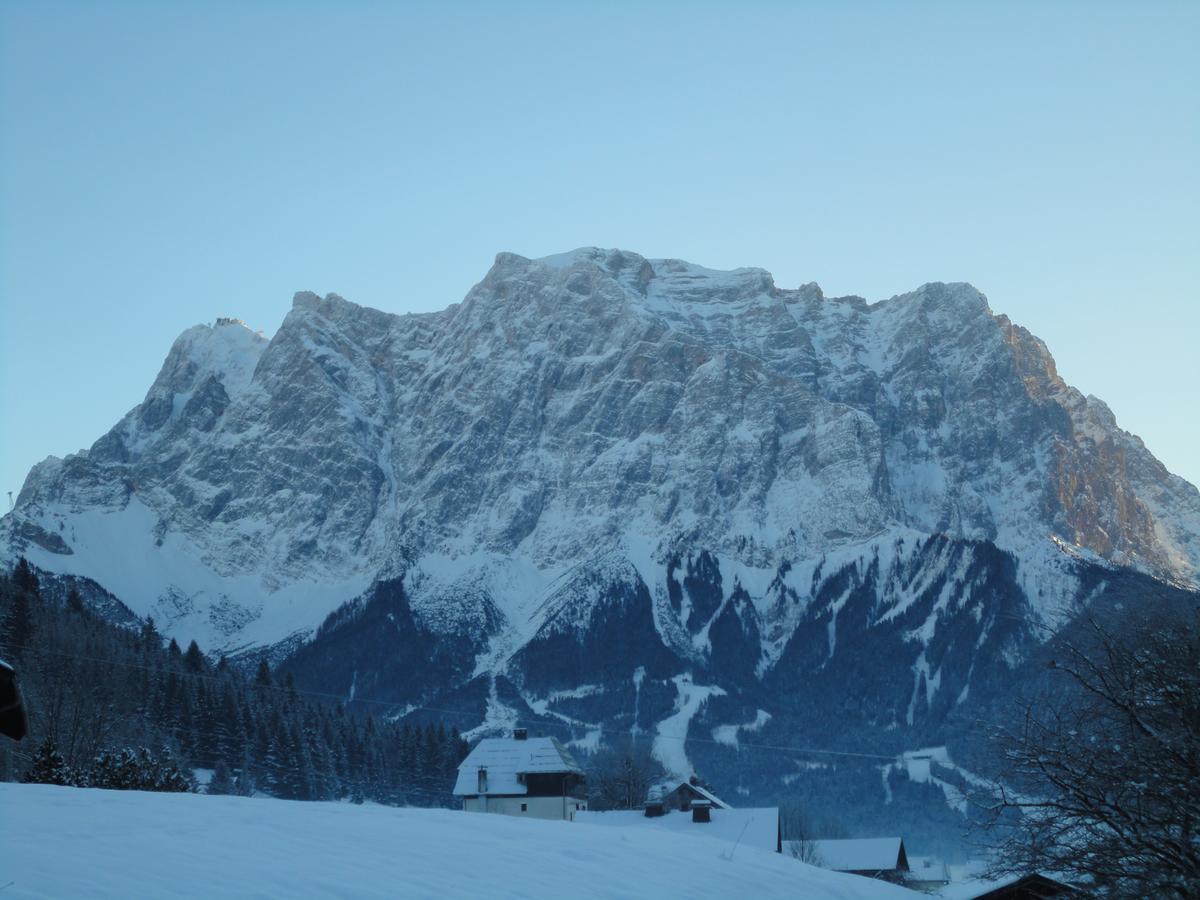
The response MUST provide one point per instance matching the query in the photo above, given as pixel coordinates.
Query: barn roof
(749, 827)
(507, 758)
(862, 854)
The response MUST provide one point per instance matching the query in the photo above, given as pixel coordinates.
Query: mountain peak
(225, 353)
(600, 398)
(305, 300)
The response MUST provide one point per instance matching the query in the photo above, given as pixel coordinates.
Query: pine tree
(245, 785)
(452, 755)
(194, 660)
(25, 579)
(262, 677)
(137, 770)
(114, 770)
(16, 631)
(173, 649)
(74, 601)
(49, 767)
(150, 635)
(169, 777)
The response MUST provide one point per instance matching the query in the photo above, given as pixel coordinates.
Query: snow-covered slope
(590, 409)
(76, 842)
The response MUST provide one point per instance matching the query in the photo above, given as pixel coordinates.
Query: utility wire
(685, 738)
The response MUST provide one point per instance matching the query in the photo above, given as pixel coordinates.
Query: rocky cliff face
(574, 407)
(606, 492)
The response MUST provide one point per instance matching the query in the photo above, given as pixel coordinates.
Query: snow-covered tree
(49, 767)
(137, 770)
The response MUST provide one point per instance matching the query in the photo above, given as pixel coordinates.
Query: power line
(390, 704)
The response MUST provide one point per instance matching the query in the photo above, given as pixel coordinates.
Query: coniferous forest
(120, 707)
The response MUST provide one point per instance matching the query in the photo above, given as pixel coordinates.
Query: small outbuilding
(522, 776)
(681, 797)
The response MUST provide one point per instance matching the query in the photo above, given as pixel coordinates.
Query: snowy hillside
(73, 842)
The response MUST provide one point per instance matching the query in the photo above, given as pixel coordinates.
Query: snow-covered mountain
(605, 476)
(589, 408)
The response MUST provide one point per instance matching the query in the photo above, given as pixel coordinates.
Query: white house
(521, 776)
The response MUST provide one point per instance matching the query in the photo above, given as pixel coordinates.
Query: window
(576, 806)
(483, 779)
(524, 807)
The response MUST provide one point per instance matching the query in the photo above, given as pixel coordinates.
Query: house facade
(522, 776)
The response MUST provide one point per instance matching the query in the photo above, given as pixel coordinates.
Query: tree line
(112, 706)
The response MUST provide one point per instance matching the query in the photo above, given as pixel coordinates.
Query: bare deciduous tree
(1102, 779)
(621, 777)
(799, 834)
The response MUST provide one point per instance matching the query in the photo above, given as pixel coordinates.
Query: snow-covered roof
(661, 791)
(974, 888)
(507, 758)
(860, 854)
(746, 827)
(709, 795)
(928, 868)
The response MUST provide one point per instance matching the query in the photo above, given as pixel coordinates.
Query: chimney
(520, 734)
(701, 811)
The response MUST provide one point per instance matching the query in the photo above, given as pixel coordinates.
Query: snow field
(74, 842)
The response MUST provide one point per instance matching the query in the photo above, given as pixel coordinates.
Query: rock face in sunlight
(599, 465)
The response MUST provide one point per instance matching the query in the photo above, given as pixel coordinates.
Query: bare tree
(800, 834)
(1102, 781)
(802, 831)
(621, 777)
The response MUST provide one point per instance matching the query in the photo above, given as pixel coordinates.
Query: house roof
(666, 789)
(507, 758)
(860, 854)
(1009, 886)
(749, 827)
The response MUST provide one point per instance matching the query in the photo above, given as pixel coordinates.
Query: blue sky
(165, 164)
